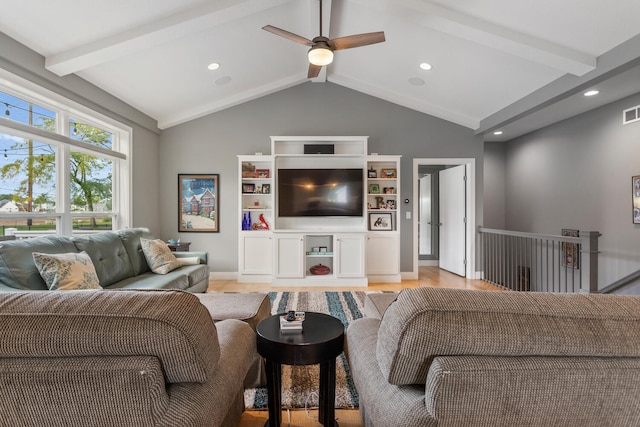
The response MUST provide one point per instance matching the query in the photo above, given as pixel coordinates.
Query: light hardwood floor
(428, 276)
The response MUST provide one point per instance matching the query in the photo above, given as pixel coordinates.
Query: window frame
(65, 109)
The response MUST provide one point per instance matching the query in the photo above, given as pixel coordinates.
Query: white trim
(470, 164)
(65, 109)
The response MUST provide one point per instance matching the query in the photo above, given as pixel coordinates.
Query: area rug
(300, 383)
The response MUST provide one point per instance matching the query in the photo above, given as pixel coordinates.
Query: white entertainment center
(279, 245)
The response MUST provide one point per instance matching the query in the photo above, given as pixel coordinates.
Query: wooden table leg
(274, 393)
(327, 412)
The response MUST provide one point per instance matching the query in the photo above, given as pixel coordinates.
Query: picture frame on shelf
(266, 188)
(391, 204)
(263, 173)
(389, 173)
(372, 173)
(374, 188)
(570, 251)
(389, 190)
(248, 188)
(635, 198)
(198, 203)
(380, 221)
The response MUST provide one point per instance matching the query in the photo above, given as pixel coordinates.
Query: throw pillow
(67, 271)
(158, 256)
(190, 260)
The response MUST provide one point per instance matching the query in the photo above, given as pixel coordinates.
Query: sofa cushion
(17, 269)
(108, 255)
(427, 322)
(159, 256)
(131, 240)
(170, 325)
(174, 280)
(67, 271)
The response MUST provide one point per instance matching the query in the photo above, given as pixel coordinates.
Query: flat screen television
(320, 192)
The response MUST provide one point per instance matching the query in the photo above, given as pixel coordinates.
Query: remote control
(291, 316)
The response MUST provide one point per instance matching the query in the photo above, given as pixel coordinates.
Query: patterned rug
(300, 383)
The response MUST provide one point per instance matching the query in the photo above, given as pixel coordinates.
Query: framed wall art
(389, 173)
(635, 198)
(380, 221)
(198, 200)
(570, 251)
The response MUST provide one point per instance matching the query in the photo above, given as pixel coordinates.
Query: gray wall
(29, 65)
(495, 180)
(577, 174)
(210, 145)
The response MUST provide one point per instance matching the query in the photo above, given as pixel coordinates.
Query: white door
(452, 219)
(424, 223)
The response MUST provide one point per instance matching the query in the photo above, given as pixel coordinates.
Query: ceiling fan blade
(287, 35)
(357, 40)
(314, 70)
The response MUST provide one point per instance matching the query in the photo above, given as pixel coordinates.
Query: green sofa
(454, 357)
(117, 257)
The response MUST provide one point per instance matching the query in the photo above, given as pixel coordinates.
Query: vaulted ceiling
(494, 63)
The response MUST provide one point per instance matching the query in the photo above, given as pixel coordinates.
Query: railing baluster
(534, 262)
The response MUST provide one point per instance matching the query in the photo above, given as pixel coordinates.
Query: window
(63, 168)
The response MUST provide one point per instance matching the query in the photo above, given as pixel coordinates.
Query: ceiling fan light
(320, 56)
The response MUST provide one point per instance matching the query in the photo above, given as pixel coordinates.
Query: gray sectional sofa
(453, 357)
(127, 358)
(117, 257)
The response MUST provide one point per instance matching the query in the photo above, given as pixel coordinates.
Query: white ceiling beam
(421, 105)
(476, 30)
(187, 115)
(156, 33)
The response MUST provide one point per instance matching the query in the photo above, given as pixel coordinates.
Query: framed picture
(389, 190)
(262, 173)
(198, 203)
(388, 173)
(391, 204)
(380, 221)
(248, 188)
(635, 195)
(266, 188)
(570, 251)
(374, 188)
(372, 173)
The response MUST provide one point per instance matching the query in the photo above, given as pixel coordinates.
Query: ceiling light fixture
(498, 132)
(425, 66)
(320, 56)
(591, 93)
(213, 66)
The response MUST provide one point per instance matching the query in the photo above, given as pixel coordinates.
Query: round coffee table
(320, 341)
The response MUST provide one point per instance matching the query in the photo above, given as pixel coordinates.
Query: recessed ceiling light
(498, 132)
(213, 66)
(591, 93)
(425, 66)
(416, 81)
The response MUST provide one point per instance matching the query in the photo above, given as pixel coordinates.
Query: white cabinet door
(289, 259)
(256, 254)
(350, 255)
(383, 254)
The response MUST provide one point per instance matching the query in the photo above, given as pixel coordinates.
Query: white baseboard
(221, 275)
(409, 275)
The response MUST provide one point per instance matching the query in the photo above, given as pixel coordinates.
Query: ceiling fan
(321, 52)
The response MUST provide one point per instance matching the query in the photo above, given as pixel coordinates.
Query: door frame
(470, 166)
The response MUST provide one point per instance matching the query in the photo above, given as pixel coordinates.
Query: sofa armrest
(201, 255)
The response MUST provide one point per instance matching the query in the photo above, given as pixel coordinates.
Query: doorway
(466, 251)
